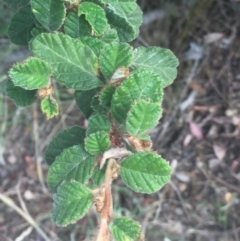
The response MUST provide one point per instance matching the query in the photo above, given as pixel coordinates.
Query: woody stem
(107, 210)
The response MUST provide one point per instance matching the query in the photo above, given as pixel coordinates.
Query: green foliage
(143, 116)
(83, 46)
(71, 202)
(67, 138)
(115, 55)
(95, 15)
(74, 163)
(142, 84)
(97, 143)
(31, 75)
(21, 25)
(125, 229)
(145, 172)
(63, 54)
(16, 3)
(49, 106)
(76, 26)
(161, 61)
(49, 13)
(20, 96)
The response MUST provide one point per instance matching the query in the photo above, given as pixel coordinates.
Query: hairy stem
(107, 210)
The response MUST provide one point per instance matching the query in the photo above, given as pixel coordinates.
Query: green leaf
(142, 84)
(21, 25)
(123, 6)
(67, 138)
(77, 27)
(125, 229)
(109, 36)
(161, 61)
(84, 99)
(36, 31)
(106, 95)
(74, 163)
(135, 19)
(145, 172)
(97, 143)
(71, 202)
(50, 107)
(126, 32)
(32, 74)
(16, 3)
(20, 96)
(96, 45)
(143, 116)
(71, 1)
(67, 57)
(99, 175)
(50, 13)
(95, 15)
(98, 123)
(115, 55)
(97, 105)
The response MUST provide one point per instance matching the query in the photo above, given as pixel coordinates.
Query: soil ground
(199, 134)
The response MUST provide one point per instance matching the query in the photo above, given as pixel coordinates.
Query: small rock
(181, 176)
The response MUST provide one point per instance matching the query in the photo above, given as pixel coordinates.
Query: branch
(105, 201)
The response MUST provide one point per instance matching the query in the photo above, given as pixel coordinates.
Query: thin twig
(8, 201)
(37, 152)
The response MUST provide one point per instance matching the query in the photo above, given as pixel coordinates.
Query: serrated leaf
(16, 3)
(106, 95)
(74, 163)
(84, 99)
(96, 45)
(95, 15)
(97, 143)
(99, 175)
(142, 84)
(123, 6)
(21, 25)
(97, 105)
(145, 172)
(115, 55)
(161, 61)
(126, 32)
(32, 74)
(50, 107)
(20, 96)
(76, 26)
(50, 13)
(98, 123)
(71, 202)
(143, 116)
(67, 57)
(67, 138)
(125, 229)
(109, 35)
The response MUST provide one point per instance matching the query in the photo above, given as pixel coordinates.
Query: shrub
(83, 45)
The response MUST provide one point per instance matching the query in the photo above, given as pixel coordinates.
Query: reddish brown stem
(107, 210)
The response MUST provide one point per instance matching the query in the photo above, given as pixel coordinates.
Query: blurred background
(199, 134)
